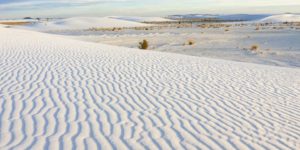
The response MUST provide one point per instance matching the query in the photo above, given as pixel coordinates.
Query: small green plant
(144, 44)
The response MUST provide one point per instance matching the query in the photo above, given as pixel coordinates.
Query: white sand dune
(78, 23)
(60, 93)
(142, 19)
(233, 17)
(282, 18)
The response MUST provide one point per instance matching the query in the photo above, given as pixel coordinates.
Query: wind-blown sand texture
(60, 93)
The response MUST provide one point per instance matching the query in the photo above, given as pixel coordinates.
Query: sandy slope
(77, 23)
(278, 47)
(61, 93)
(142, 19)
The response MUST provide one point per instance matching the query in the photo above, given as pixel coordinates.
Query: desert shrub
(27, 18)
(191, 42)
(226, 30)
(280, 28)
(202, 26)
(144, 44)
(254, 47)
(257, 28)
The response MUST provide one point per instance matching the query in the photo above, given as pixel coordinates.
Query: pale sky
(64, 8)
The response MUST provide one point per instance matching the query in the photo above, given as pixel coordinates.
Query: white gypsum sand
(60, 93)
(278, 44)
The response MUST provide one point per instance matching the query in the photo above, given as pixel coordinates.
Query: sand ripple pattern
(57, 93)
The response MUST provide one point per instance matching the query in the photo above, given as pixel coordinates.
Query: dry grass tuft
(254, 48)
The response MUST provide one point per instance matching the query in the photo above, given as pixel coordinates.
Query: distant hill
(231, 17)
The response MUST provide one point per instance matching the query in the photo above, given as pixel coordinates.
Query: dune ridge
(282, 18)
(142, 19)
(83, 23)
(60, 93)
